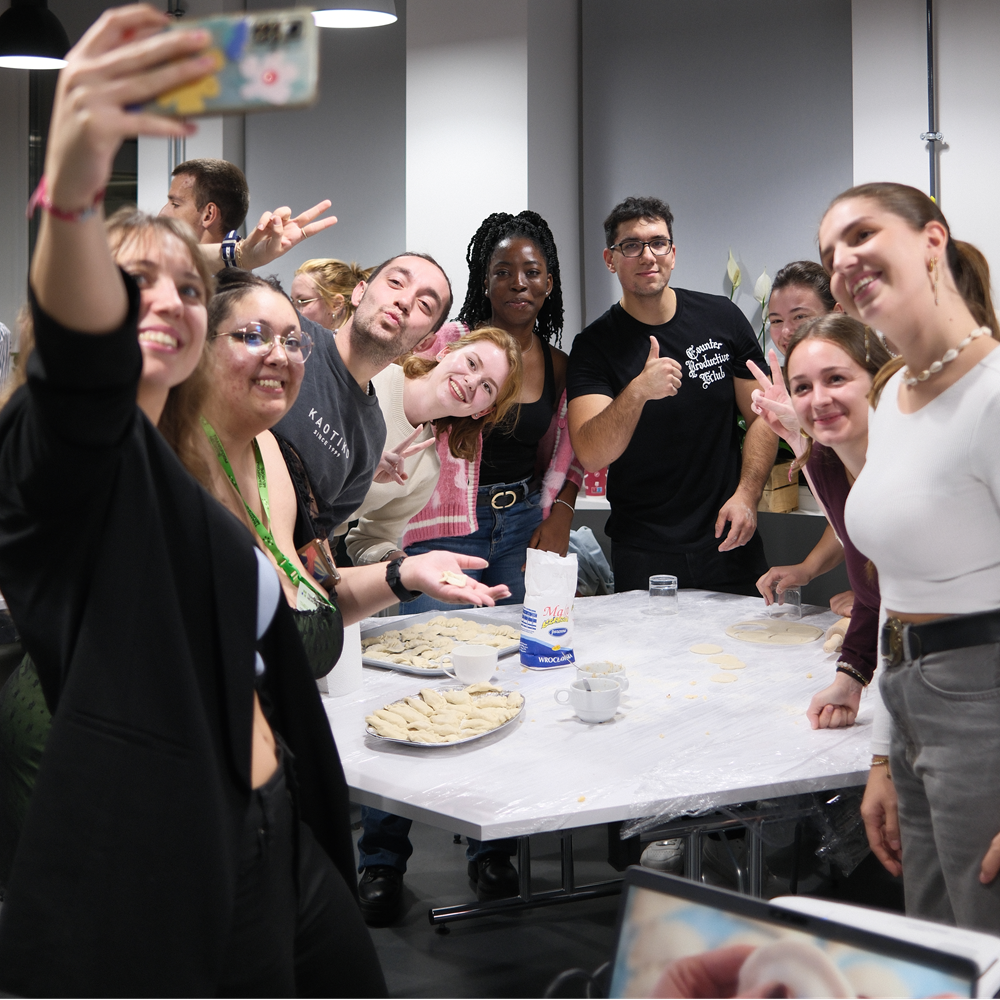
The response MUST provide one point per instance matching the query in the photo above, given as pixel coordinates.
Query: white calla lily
(762, 289)
(733, 270)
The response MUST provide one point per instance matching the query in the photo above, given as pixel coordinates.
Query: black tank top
(510, 457)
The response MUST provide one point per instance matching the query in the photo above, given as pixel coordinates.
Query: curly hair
(463, 432)
(498, 227)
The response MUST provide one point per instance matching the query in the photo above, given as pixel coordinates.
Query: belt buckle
(892, 642)
(503, 493)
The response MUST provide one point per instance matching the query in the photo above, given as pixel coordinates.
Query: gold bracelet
(880, 760)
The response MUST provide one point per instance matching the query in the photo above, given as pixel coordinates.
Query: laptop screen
(684, 939)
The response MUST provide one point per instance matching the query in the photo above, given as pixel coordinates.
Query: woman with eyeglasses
(257, 355)
(321, 290)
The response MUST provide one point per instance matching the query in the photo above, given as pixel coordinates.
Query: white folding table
(680, 744)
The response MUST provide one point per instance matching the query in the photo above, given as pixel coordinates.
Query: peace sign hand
(277, 232)
(390, 467)
(772, 402)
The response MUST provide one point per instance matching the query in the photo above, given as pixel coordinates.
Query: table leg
(566, 855)
(755, 855)
(440, 916)
(524, 867)
(692, 856)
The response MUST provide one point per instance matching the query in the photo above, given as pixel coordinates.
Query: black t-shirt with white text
(683, 461)
(336, 428)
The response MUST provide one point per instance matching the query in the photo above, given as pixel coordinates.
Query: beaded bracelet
(846, 668)
(40, 198)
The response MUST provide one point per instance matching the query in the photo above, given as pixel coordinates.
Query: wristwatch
(396, 584)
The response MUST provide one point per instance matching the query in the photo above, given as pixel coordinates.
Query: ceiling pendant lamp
(31, 37)
(355, 14)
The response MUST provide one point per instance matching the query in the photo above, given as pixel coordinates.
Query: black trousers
(706, 568)
(297, 929)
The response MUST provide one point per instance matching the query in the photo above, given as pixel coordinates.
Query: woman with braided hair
(517, 494)
(521, 493)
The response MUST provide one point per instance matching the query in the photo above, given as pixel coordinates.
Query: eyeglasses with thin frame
(259, 339)
(299, 303)
(659, 246)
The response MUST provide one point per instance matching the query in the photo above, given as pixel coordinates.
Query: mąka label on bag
(547, 618)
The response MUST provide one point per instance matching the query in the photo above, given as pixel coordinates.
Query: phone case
(265, 61)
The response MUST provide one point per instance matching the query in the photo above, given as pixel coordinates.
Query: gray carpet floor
(504, 956)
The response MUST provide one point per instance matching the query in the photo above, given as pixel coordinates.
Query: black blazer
(135, 593)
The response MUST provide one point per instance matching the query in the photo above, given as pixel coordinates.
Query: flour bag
(547, 618)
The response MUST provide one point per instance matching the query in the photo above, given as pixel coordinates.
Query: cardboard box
(780, 495)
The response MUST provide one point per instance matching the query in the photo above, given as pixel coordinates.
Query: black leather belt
(505, 497)
(902, 641)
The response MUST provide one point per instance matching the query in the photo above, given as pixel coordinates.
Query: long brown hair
(859, 342)
(966, 263)
(180, 421)
(463, 432)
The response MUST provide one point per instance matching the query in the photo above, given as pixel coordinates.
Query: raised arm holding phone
(179, 691)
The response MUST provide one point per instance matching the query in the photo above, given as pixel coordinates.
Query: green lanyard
(265, 536)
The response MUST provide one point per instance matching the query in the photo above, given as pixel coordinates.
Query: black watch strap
(396, 584)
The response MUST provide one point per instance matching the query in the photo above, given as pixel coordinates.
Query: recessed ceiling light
(355, 14)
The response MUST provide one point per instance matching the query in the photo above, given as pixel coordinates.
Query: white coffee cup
(472, 664)
(596, 705)
(603, 668)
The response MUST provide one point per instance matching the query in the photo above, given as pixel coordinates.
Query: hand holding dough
(455, 579)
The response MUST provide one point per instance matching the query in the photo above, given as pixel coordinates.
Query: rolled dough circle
(774, 633)
(704, 648)
(724, 658)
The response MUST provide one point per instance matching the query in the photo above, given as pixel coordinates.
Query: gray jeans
(945, 757)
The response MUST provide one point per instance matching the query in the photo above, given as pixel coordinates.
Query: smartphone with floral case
(264, 61)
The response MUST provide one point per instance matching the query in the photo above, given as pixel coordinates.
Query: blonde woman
(432, 405)
(321, 290)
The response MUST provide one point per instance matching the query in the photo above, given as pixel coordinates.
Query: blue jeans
(501, 539)
(385, 841)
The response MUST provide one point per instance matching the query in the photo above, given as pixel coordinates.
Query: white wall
(554, 141)
(746, 132)
(890, 106)
(466, 123)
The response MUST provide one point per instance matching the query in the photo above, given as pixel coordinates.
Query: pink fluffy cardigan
(451, 509)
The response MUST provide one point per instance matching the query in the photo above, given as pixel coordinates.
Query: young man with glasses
(655, 386)
(336, 426)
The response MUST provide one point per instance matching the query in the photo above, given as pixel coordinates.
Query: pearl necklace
(949, 355)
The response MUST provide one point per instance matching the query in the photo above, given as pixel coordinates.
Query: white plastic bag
(547, 618)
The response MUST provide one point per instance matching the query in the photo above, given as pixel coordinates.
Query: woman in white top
(470, 386)
(926, 509)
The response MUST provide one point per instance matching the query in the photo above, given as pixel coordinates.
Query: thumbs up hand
(660, 377)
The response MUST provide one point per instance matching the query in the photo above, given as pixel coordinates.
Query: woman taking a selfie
(160, 845)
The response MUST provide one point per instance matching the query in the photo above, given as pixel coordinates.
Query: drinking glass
(787, 605)
(662, 595)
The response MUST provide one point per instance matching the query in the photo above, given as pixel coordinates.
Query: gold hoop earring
(868, 356)
(932, 270)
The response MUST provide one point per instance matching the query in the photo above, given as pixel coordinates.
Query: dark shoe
(494, 877)
(381, 894)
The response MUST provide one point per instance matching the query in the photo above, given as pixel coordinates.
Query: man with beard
(336, 426)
